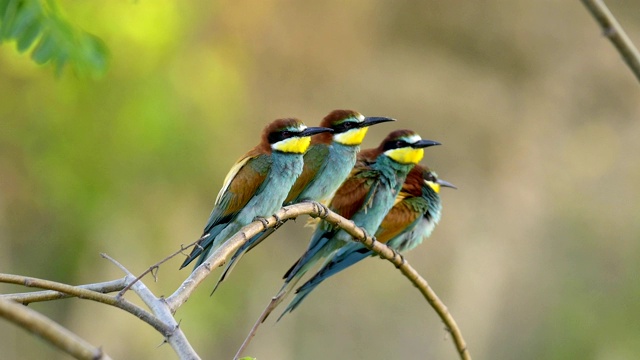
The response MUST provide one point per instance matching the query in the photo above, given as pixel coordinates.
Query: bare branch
(432, 298)
(156, 266)
(219, 257)
(164, 308)
(176, 338)
(314, 209)
(50, 331)
(275, 301)
(89, 295)
(48, 295)
(614, 31)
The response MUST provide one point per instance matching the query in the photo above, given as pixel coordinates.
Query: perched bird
(331, 156)
(257, 184)
(327, 163)
(365, 197)
(411, 220)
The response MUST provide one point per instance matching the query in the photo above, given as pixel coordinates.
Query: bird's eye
(345, 126)
(285, 134)
(401, 144)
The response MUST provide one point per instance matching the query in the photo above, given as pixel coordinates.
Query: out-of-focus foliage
(39, 24)
(536, 255)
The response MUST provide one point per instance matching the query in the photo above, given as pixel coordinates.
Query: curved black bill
(424, 144)
(372, 120)
(314, 130)
(444, 183)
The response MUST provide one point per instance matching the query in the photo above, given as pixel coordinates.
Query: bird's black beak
(314, 130)
(424, 144)
(444, 183)
(372, 120)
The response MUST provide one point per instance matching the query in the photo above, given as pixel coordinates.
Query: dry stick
(387, 253)
(176, 339)
(612, 29)
(156, 266)
(218, 257)
(89, 295)
(50, 331)
(275, 301)
(422, 285)
(48, 295)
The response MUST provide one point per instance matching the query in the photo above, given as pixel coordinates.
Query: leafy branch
(40, 24)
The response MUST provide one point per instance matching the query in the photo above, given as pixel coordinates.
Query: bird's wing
(401, 218)
(313, 161)
(349, 198)
(240, 184)
(355, 192)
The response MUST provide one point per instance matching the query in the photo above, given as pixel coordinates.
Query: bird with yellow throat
(257, 184)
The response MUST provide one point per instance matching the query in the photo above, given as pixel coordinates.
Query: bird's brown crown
(330, 121)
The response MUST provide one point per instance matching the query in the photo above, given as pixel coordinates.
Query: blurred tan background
(537, 254)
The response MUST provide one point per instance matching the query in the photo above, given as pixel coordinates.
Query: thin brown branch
(89, 295)
(426, 290)
(218, 258)
(275, 301)
(614, 31)
(156, 266)
(387, 253)
(50, 331)
(48, 295)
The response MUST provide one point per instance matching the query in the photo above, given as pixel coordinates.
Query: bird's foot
(264, 221)
(320, 209)
(279, 221)
(398, 255)
(373, 241)
(366, 235)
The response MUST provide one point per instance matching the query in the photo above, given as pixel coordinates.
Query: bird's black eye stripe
(276, 136)
(395, 144)
(344, 127)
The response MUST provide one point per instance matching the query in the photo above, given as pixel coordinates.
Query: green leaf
(28, 36)
(8, 14)
(44, 50)
(23, 19)
(96, 52)
(58, 41)
(4, 6)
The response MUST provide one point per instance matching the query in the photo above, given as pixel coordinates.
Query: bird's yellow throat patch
(433, 185)
(406, 155)
(351, 137)
(295, 145)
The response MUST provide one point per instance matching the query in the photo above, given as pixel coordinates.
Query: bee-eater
(411, 220)
(257, 184)
(327, 163)
(365, 198)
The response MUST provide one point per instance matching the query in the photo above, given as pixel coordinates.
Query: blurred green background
(537, 255)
